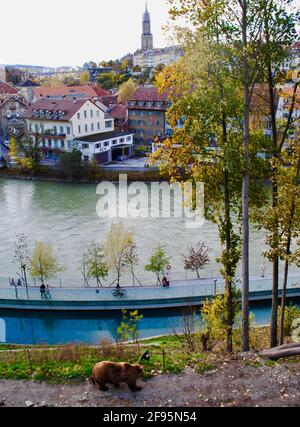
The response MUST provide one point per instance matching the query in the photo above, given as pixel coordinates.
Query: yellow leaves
(13, 148)
(43, 264)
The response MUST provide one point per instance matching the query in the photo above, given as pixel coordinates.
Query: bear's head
(139, 370)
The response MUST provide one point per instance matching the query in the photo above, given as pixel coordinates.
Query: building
(7, 89)
(12, 108)
(119, 113)
(3, 73)
(79, 92)
(26, 89)
(106, 147)
(148, 56)
(147, 115)
(64, 124)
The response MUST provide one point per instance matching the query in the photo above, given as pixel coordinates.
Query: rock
(247, 355)
(29, 404)
(2, 401)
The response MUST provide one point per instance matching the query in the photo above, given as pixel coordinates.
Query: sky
(71, 32)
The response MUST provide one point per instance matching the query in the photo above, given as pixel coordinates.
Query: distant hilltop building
(148, 56)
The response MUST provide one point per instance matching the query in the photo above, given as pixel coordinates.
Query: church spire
(147, 38)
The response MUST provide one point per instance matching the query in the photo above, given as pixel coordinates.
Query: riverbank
(232, 383)
(86, 176)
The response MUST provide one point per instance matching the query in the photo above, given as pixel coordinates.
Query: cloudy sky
(70, 32)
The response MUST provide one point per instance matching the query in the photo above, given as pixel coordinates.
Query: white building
(64, 123)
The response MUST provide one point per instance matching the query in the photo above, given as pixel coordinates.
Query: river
(64, 215)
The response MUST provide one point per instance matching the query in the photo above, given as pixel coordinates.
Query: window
(85, 145)
(86, 128)
(98, 113)
(98, 125)
(149, 123)
(91, 113)
(85, 115)
(36, 127)
(42, 128)
(141, 123)
(55, 144)
(78, 116)
(79, 129)
(99, 145)
(157, 123)
(114, 141)
(92, 126)
(49, 143)
(121, 140)
(68, 130)
(55, 130)
(108, 123)
(61, 129)
(150, 113)
(128, 138)
(106, 144)
(62, 144)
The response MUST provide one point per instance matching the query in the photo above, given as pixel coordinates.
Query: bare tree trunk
(245, 188)
(283, 302)
(228, 282)
(286, 265)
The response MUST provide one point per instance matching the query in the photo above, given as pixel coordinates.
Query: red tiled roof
(6, 88)
(68, 106)
(148, 94)
(119, 111)
(89, 91)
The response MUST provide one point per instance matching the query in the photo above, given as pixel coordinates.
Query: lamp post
(24, 272)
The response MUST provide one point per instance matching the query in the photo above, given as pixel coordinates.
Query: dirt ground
(231, 384)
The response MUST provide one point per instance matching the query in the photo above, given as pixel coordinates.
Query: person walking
(19, 283)
(43, 291)
(13, 283)
(47, 293)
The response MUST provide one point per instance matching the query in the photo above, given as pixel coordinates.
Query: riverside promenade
(179, 294)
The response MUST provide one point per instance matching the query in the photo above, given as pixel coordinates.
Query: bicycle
(119, 293)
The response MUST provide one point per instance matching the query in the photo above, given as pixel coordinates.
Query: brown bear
(116, 373)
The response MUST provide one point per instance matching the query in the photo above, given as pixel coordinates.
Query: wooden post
(29, 359)
(163, 355)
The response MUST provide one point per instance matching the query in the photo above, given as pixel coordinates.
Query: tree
(209, 147)
(284, 220)
(29, 144)
(22, 254)
(70, 163)
(197, 258)
(126, 90)
(279, 32)
(95, 262)
(84, 77)
(53, 82)
(43, 263)
(257, 32)
(158, 262)
(13, 149)
(132, 261)
(117, 247)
